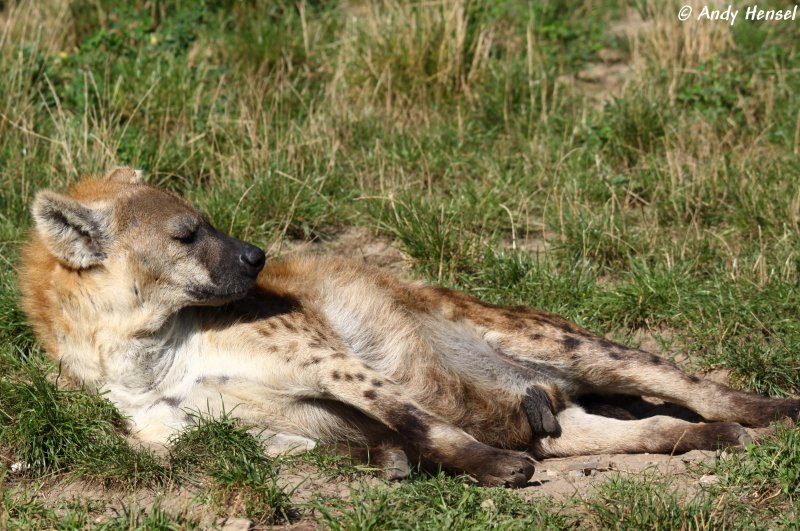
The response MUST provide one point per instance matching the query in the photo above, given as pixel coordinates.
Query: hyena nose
(252, 258)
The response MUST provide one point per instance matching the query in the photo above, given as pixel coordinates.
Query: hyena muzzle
(134, 293)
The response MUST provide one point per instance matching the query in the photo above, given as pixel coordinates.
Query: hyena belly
(447, 366)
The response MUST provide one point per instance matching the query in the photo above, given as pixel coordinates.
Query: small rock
(19, 466)
(235, 524)
(708, 479)
(551, 473)
(488, 505)
(584, 469)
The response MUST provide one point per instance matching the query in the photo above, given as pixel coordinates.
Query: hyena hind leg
(540, 341)
(583, 433)
(640, 373)
(603, 367)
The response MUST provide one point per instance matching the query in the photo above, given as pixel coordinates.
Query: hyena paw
(506, 468)
(541, 412)
(394, 464)
(774, 409)
(725, 434)
(788, 408)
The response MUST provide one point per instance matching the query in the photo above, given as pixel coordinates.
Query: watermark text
(729, 14)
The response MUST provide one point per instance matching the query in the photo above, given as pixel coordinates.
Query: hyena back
(134, 293)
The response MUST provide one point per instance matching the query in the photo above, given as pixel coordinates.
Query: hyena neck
(104, 338)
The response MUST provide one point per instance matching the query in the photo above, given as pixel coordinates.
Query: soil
(603, 78)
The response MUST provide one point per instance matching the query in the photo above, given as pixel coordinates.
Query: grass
(668, 205)
(439, 502)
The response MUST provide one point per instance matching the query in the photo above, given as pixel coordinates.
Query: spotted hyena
(136, 294)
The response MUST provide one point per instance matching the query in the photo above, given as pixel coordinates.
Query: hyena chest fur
(163, 383)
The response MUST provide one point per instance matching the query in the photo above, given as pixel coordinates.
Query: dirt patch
(103, 504)
(579, 476)
(604, 78)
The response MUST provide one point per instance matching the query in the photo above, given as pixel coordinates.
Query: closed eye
(187, 238)
(187, 234)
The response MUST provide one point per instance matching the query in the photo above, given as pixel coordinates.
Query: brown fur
(137, 295)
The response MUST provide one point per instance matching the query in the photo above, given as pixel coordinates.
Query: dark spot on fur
(292, 346)
(460, 305)
(571, 343)
(335, 375)
(360, 377)
(315, 344)
(370, 394)
(694, 379)
(535, 337)
(605, 344)
(348, 377)
(410, 422)
(287, 323)
(272, 348)
(377, 383)
(199, 380)
(338, 355)
(224, 379)
(565, 326)
(171, 401)
(655, 360)
(614, 356)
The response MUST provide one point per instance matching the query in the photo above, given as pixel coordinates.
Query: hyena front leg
(351, 382)
(584, 433)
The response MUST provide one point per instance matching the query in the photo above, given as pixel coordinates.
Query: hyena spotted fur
(136, 295)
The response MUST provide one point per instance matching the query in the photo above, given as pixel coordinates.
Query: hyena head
(145, 244)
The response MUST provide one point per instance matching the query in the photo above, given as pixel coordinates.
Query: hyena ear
(125, 174)
(74, 233)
